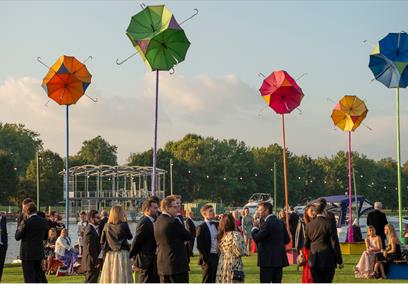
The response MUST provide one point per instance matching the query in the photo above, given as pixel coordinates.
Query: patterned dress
(232, 247)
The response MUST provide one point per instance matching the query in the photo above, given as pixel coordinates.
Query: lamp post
(171, 176)
(39, 158)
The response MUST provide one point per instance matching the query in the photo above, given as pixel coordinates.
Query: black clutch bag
(238, 275)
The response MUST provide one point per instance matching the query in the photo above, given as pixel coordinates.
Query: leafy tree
(97, 151)
(21, 143)
(51, 182)
(8, 177)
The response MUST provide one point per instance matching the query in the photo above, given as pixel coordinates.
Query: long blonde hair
(391, 235)
(116, 215)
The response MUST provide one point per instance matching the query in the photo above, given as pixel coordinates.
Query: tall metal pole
(274, 187)
(154, 184)
(285, 177)
(350, 193)
(38, 182)
(67, 173)
(355, 197)
(171, 176)
(399, 167)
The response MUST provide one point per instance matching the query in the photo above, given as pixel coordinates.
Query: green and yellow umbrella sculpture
(162, 44)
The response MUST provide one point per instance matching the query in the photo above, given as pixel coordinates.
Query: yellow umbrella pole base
(352, 248)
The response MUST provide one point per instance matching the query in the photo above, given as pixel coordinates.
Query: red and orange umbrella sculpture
(283, 95)
(65, 83)
(347, 115)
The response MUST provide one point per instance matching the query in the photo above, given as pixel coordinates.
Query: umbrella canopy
(281, 92)
(348, 113)
(158, 38)
(389, 60)
(67, 80)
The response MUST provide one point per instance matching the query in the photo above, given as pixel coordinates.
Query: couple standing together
(318, 244)
(221, 247)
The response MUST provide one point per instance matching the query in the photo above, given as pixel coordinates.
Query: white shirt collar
(268, 217)
(29, 216)
(150, 218)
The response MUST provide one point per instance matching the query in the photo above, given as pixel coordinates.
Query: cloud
(223, 107)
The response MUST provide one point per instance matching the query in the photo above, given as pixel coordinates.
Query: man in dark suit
(91, 248)
(293, 222)
(104, 219)
(207, 244)
(271, 238)
(32, 232)
(3, 242)
(322, 241)
(144, 245)
(170, 235)
(378, 219)
(191, 227)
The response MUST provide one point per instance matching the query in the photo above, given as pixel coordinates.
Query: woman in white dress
(365, 266)
(115, 235)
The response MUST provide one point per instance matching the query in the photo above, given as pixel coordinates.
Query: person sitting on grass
(65, 252)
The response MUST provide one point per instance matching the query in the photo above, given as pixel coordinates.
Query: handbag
(301, 260)
(238, 275)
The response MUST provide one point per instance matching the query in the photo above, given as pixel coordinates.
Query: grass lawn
(13, 273)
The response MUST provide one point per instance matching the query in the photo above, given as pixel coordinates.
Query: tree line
(204, 168)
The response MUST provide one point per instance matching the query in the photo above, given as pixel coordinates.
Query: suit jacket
(323, 243)
(3, 231)
(191, 227)
(115, 237)
(271, 239)
(102, 225)
(293, 222)
(377, 219)
(144, 245)
(92, 248)
(204, 242)
(170, 236)
(32, 232)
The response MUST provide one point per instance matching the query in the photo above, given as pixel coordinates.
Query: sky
(214, 92)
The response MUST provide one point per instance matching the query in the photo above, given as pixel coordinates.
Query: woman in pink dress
(309, 215)
(365, 266)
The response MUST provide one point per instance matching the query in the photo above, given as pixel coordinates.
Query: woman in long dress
(308, 215)
(231, 247)
(365, 265)
(115, 235)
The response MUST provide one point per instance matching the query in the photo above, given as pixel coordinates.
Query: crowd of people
(164, 240)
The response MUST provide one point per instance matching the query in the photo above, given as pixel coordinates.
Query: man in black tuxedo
(104, 219)
(322, 241)
(191, 227)
(144, 246)
(32, 232)
(271, 238)
(293, 222)
(91, 248)
(170, 235)
(3, 242)
(207, 244)
(378, 219)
